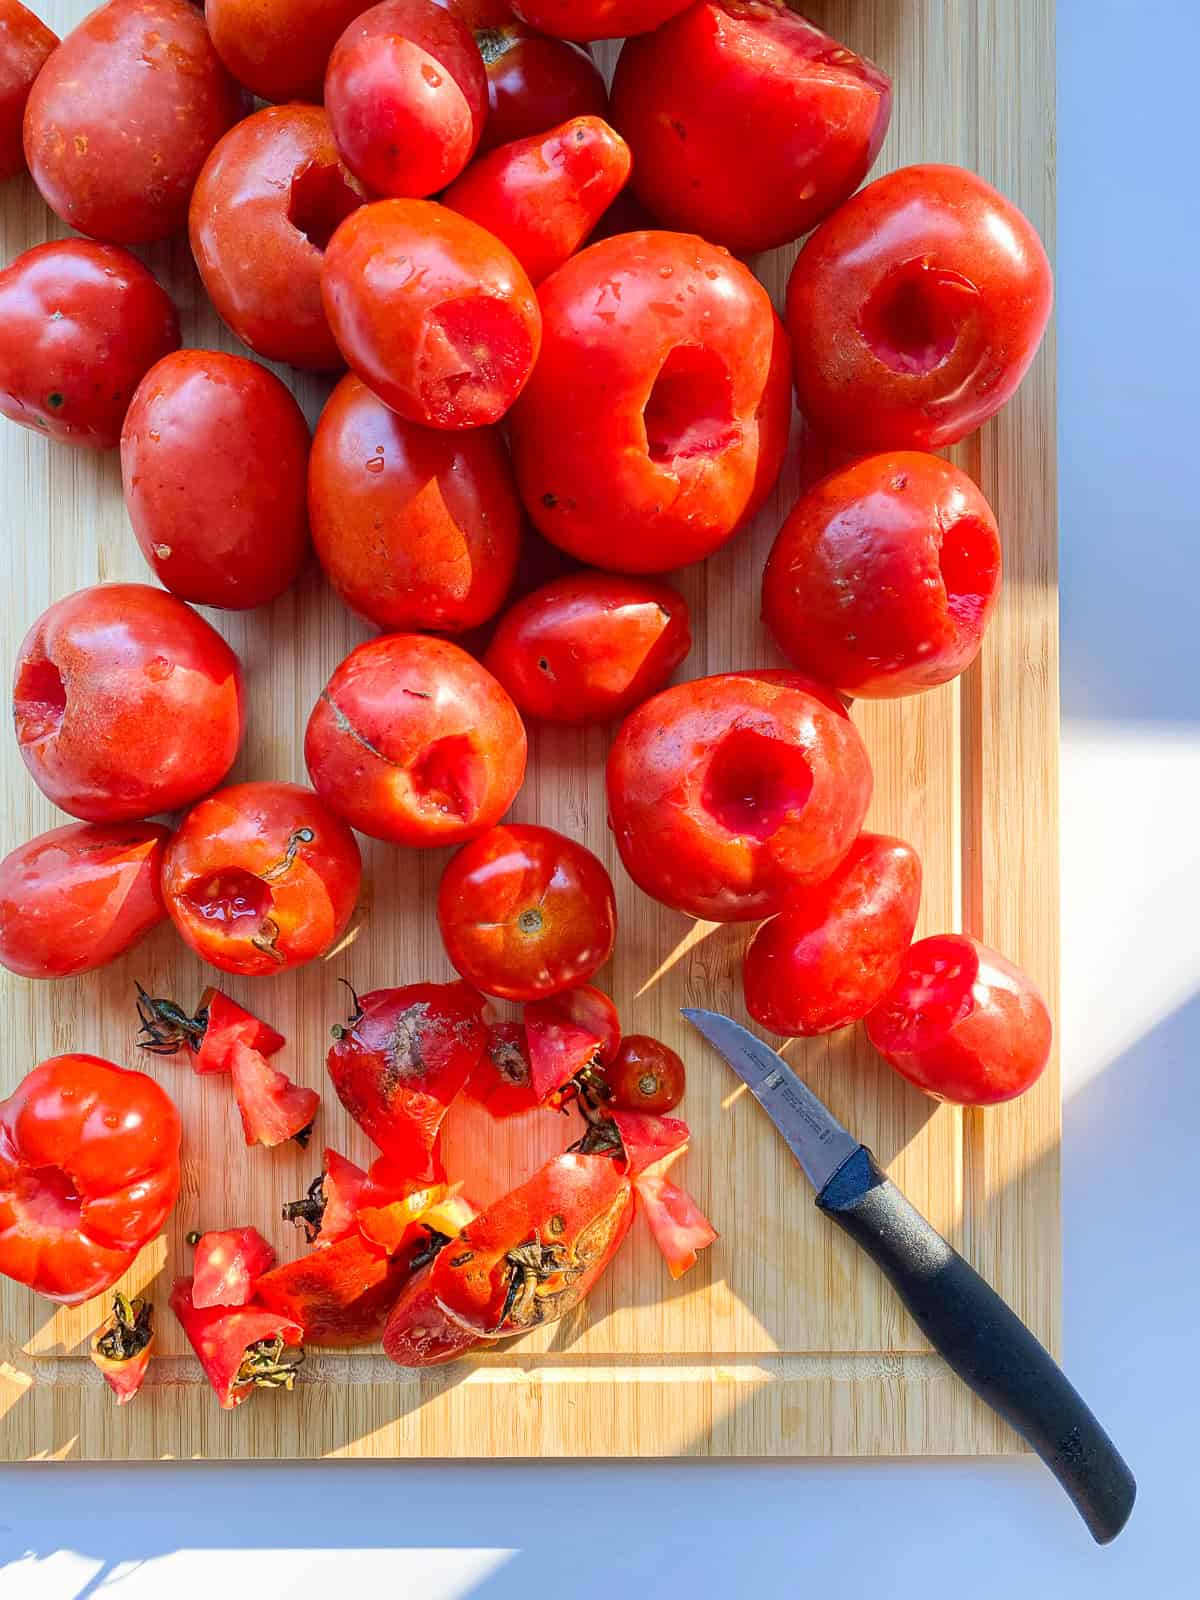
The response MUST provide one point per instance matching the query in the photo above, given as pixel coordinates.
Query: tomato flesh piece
(227, 1023)
(273, 1108)
(228, 1265)
(679, 1226)
(221, 1336)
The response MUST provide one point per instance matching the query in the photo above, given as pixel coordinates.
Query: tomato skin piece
(597, 19)
(339, 1295)
(502, 1083)
(680, 1228)
(534, 81)
(649, 1140)
(645, 1075)
(342, 1189)
(228, 1265)
(273, 1109)
(573, 1030)
(221, 1335)
(279, 48)
(122, 1345)
(25, 44)
(418, 1332)
(228, 1024)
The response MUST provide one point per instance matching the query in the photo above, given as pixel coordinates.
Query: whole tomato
(89, 1171)
(214, 460)
(261, 878)
(415, 527)
(645, 1075)
(962, 1023)
(916, 310)
(747, 123)
(881, 581)
(279, 48)
(657, 418)
(80, 323)
(526, 912)
(121, 118)
(534, 82)
(266, 204)
(730, 794)
(597, 19)
(840, 946)
(126, 702)
(589, 647)
(414, 742)
(25, 42)
(433, 313)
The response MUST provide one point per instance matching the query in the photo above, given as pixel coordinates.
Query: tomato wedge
(647, 1140)
(121, 1347)
(227, 1266)
(209, 1036)
(273, 1108)
(568, 1034)
(241, 1348)
(392, 1202)
(679, 1226)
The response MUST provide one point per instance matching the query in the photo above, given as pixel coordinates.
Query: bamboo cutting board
(784, 1340)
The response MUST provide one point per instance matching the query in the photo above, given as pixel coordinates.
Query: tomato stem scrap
(129, 1331)
(270, 1364)
(168, 1027)
(309, 1212)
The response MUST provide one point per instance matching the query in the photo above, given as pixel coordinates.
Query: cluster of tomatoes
(540, 298)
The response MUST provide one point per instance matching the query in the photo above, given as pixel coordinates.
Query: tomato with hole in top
(645, 1075)
(415, 527)
(261, 878)
(656, 420)
(962, 1023)
(916, 310)
(25, 43)
(730, 794)
(597, 19)
(214, 463)
(126, 702)
(526, 912)
(266, 205)
(279, 48)
(414, 742)
(432, 311)
(121, 119)
(881, 581)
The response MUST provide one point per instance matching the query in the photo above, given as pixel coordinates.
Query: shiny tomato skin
(262, 269)
(526, 912)
(227, 1266)
(656, 420)
(126, 702)
(76, 898)
(279, 48)
(916, 310)
(534, 82)
(645, 1075)
(25, 43)
(566, 1034)
(340, 1294)
(418, 1332)
(414, 742)
(730, 794)
(416, 528)
(122, 117)
(597, 19)
(214, 462)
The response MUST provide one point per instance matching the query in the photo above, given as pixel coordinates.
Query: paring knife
(978, 1335)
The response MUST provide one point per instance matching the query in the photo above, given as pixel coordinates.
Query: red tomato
(279, 48)
(679, 1226)
(647, 1141)
(209, 1036)
(80, 323)
(534, 82)
(261, 878)
(329, 1211)
(569, 1034)
(590, 647)
(730, 794)
(543, 195)
(126, 702)
(122, 1345)
(656, 421)
(228, 1265)
(241, 1348)
(266, 205)
(526, 912)
(597, 19)
(838, 948)
(120, 120)
(418, 1331)
(214, 461)
(339, 1295)
(415, 527)
(25, 42)
(503, 1080)
(432, 312)
(916, 310)
(89, 1171)
(747, 123)
(645, 1075)
(273, 1109)
(393, 1202)
(962, 1023)
(413, 742)
(76, 898)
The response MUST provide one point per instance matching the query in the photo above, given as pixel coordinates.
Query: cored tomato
(25, 42)
(228, 1265)
(597, 19)
(279, 48)
(241, 1348)
(572, 1033)
(534, 82)
(645, 1075)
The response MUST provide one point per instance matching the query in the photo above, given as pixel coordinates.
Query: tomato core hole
(451, 776)
(475, 356)
(229, 896)
(914, 318)
(39, 700)
(690, 409)
(47, 1196)
(320, 200)
(754, 784)
(934, 993)
(969, 567)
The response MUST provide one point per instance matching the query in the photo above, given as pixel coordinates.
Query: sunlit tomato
(414, 742)
(89, 1171)
(962, 1023)
(266, 205)
(729, 794)
(393, 1203)
(214, 460)
(339, 1295)
(329, 1211)
(656, 420)
(432, 312)
(241, 1348)
(261, 877)
(534, 82)
(122, 1345)
(418, 1331)
(838, 948)
(227, 1266)
(645, 1075)
(575, 1032)
(680, 1228)
(80, 323)
(126, 702)
(597, 19)
(25, 42)
(415, 527)
(273, 1109)
(916, 310)
(502, 1082)
(279, 48)
(526, 912)
(121, 118)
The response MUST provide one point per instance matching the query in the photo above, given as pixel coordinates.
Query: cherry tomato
(730, 794)
(415, 527)
(266, 205)
(645, 1075)
(214, 460)
(279, 48)
(339, 1295)
(76, 898)
(534, 82)
(121, 118)
(80, 323)
(840, 946)
(273, 1109)
(573, 1032)
(962, 1023)
(261, 878)
(25, 42)
(414, 742)
(122, 1345)
(418, 1332)
(89, 1171)
(526, 912)
(656, 420)
(126, 702)
(227, 1266)
(916, 310)
(597, 19)
(241, 1348)
(679, 1226)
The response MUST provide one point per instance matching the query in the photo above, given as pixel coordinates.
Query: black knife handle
(984, 1341)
